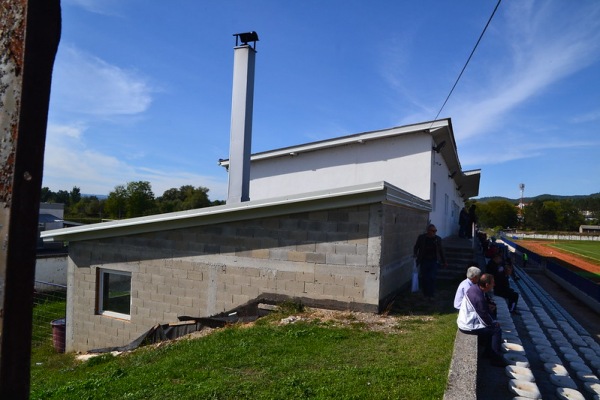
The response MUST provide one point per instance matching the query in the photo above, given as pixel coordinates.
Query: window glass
(115, 293)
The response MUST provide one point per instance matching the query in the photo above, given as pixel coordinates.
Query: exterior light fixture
(452, 175)
(439, 147)
(246, 38)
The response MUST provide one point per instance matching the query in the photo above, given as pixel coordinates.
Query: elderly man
(473, 274)
(474, 318)
(429, 254)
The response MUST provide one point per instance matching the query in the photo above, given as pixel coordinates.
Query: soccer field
(587, 249)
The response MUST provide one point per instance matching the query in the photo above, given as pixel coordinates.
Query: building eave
(424, 127)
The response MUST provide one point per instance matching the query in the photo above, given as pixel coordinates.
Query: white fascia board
(344, 140)
(313, 201)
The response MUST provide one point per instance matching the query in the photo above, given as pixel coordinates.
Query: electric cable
(469, 59)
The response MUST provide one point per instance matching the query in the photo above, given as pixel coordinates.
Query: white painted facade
(403, 156)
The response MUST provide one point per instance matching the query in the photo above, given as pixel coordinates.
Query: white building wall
(405, 161)
(448, 201)
(401, 161)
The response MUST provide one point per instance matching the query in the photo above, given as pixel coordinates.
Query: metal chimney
(241, 117)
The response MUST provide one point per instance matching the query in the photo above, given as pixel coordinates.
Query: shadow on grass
(408, 303)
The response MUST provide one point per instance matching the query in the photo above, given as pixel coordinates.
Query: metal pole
(29, 36)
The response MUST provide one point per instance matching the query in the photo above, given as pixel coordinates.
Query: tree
(116, 203)
(497, 213)
(62, 196)
(46, 195)
(140, 199)
(185, 198)
(75, 195)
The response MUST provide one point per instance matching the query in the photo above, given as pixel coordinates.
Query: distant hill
(541, 197)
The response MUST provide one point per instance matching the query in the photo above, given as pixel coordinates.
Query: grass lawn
(311, 358)
(587, 249)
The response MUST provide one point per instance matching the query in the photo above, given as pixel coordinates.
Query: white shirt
(460, 292)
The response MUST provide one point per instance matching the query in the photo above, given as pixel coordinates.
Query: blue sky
(142, 88)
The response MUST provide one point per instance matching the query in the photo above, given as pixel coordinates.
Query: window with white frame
(114, 293)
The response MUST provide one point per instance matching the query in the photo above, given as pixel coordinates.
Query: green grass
(310, 359)
(587, 249)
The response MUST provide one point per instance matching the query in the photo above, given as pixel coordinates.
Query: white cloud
(86, 85)
(543, 52)
(69, 162)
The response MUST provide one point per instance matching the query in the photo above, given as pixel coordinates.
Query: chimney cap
(245, 38)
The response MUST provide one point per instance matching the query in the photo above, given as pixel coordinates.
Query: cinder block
(260, 253)
(250, 291)
(157, 297)
(344, 248)
(325, 248)
(324, 278)
(186, 301)
(194, 275)
(285, 275)
(306, 247)
(159, 280)
(313, 288)
(336, 291)
(294, 287)
(241, 280)
(171, 299)
(353, 292)
(260, 283)
(336, 259)
(278, 254)
(305, 276)
(356, 259)
(239, 299)
(163, 289)
(296, 256)
(317, 258)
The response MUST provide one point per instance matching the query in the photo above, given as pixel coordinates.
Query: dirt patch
(564, 258)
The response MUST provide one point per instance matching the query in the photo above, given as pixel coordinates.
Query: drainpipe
(241, 118)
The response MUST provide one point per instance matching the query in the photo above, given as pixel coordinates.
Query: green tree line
(538, 215)
(134, 199)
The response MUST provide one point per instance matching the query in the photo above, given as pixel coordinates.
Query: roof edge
(311, 201)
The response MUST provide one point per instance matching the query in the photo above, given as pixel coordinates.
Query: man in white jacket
(473, 274)
(474, 318)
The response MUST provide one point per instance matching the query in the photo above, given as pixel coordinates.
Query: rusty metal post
(29, 36)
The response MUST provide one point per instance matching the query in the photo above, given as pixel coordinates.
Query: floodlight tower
(522, 188)
(521, 204)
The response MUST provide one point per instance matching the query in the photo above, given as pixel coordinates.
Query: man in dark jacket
(429, 254)
(503, 288)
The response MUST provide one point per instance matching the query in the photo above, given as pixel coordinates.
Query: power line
(469, 59)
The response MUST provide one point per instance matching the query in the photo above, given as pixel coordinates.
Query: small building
(338, 241)
(589, 229)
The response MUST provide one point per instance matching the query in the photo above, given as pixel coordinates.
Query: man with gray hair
(473, 274)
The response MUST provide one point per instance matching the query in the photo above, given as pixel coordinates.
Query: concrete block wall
(400, 229)
(329, 258)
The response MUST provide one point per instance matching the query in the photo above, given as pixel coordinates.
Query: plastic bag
(415, 278)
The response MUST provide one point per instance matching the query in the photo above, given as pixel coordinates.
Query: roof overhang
(468, 182)
(313, 201)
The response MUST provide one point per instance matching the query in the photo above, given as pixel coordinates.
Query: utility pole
(29, 36)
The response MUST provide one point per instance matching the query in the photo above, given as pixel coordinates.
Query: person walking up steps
(429, 253)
